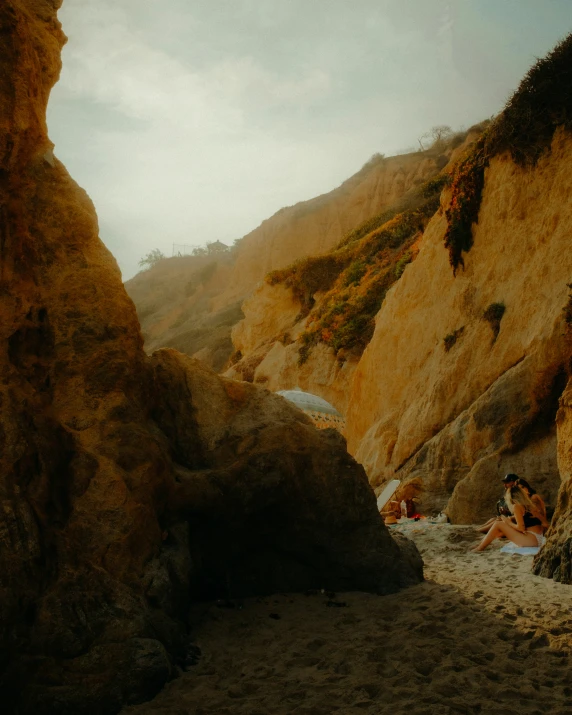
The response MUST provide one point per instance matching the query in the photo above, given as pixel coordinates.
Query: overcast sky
(193, 120)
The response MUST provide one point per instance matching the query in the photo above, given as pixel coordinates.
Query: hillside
(178, 308)
(174, 306)
(308, 323)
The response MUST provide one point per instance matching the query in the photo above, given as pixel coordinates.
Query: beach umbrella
(320, 412)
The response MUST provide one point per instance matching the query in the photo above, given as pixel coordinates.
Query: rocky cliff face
(129, 485)
(445, 393)
(290, 336)
(267, 341)
(555, 560)
(192, 304)
(314, 227)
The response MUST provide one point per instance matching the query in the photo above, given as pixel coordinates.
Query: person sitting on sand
(529, 527)
(509, 481)
(535, 498)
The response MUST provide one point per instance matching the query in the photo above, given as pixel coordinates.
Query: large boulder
(273, 503)
(113, 487)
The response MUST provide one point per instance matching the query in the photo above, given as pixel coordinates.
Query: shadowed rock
(555, 559)
(273, 504)
(128, 486)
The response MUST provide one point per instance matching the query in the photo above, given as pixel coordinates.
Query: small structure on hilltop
(321, 412)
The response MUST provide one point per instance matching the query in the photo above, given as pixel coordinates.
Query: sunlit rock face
(118, 473)
(458, 419)
(313, 227)
(555, 559)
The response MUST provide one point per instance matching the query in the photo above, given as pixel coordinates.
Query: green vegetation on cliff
(357, 275)
(524, 130)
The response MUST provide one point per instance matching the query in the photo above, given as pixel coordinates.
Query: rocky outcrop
(244, 457)
(443, 393)
(555, 559)
(84, 479)
(266, 341)
(121, 477)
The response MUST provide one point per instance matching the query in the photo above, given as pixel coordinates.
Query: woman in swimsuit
(529, 527)
(535, 498)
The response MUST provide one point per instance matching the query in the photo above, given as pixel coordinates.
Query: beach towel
(523, 550)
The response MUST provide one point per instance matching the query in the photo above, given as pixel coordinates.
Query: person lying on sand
(529, 527)
(509, 481)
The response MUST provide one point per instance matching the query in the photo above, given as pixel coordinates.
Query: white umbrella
(321, 412)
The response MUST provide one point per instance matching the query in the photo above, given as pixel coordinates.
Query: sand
(480, 635)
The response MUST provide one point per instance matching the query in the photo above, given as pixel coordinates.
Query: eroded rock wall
(460, 417)
(118, 473)
(84, 480)
(555, 559)
(267, 341)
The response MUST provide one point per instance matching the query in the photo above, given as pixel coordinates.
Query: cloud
(191, 122)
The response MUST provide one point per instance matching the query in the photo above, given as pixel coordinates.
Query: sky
(190, 121)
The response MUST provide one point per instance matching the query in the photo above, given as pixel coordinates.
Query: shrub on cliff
(151, 259)
(310, 275)
(525, 128)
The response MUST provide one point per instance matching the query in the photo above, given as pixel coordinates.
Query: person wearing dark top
(535, 498)
(526, 530)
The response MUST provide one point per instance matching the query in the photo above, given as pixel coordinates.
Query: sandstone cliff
(314, 227)
(308, 323)
(129, 485)
(466, 413)
(471, 349)
(555, 560)
(192, 303)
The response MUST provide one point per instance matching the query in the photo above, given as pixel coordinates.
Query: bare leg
(500, 528)
(487, 525)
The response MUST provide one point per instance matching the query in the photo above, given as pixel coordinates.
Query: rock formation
(285, 310)
(259, 523)
(128, 485)
(460, 414)
(555, 559)
(192, 303)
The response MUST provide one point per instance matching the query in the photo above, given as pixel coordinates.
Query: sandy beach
(480, 635)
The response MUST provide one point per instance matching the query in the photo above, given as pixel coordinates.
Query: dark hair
(523, 483)
(510, 477)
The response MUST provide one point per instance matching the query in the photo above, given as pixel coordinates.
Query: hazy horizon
(195, 122)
